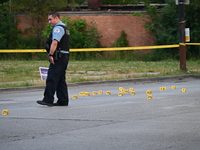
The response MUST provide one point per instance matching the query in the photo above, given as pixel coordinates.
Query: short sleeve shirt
(58, 31)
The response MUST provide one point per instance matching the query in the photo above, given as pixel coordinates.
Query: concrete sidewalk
(135, 80)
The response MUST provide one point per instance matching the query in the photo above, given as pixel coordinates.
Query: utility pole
(182, 46)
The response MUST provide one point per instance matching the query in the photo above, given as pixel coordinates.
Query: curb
(144, 80)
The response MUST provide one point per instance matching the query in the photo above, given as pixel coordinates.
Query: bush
(8, 28)
(119, 2)
(164, 26)
(122, 40)
(82, 35)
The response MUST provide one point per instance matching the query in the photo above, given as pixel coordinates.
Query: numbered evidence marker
(84, 93)
(163, 88)
(108, 93)
(132, 92)
(148, 92)
(183, 90)
(87, 93)
(125, 91)
(5, 112)
(94, 93)
(149, 97)
(121, 89)
(100, 92)
(120, 94)
(173, 87)
(75, 97)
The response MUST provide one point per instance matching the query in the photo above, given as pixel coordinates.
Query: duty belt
(60, 53)
(63, 52)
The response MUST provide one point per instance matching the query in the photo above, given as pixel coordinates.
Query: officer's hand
(51, 60)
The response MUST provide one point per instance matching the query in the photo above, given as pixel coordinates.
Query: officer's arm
(53, 47)
(52, 50)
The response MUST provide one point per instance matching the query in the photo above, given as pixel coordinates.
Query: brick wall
(110, 27)
(25, 23)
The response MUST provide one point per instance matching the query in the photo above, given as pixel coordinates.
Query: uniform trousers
(56, 82)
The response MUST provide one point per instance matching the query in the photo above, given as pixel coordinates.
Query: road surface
(168, 121)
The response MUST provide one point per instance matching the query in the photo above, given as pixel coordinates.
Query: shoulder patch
(57, 30)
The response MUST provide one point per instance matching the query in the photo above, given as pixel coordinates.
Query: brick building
(109, 24)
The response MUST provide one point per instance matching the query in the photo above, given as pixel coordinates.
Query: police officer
(58, 57)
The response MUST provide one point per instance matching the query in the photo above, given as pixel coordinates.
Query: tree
(38, 11)
(79, 2)
(119, 2)
(3, 1)
(122, 40)
(82, 35)
(8, 30)
(74, 3)
(122, 2)
(164, 26)
(192, 17)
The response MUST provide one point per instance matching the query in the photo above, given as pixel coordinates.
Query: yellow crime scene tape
(192, 43)
(97, 49)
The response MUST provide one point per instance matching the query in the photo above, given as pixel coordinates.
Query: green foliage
(137, 14)
(119, 2)
(37, 7)
(192, 17)
(29, 42)
(75, 3)
(46, 32)
(77, 29)
(158, 1)
(8, 28)
(122, 40)
(82, 35)
(3, 1)
(164, 26)
(38, 11)
(122, 2)
(92, 36)
(79, 1)
(10, 37)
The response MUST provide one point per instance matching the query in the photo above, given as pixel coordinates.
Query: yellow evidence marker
(75, 97)
(148, 92)
(82, 93)
(120, 94)
(131, 89)
(149, 97)
(125, 91)
(132, 92)
(87, 93)
(183, 90)
(94, 93)
(100, 92)
(5, 112)
(163, 88)
(173, 87)
(108, 93)
(121, 89)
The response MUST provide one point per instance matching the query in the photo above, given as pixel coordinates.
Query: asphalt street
(168, 121)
